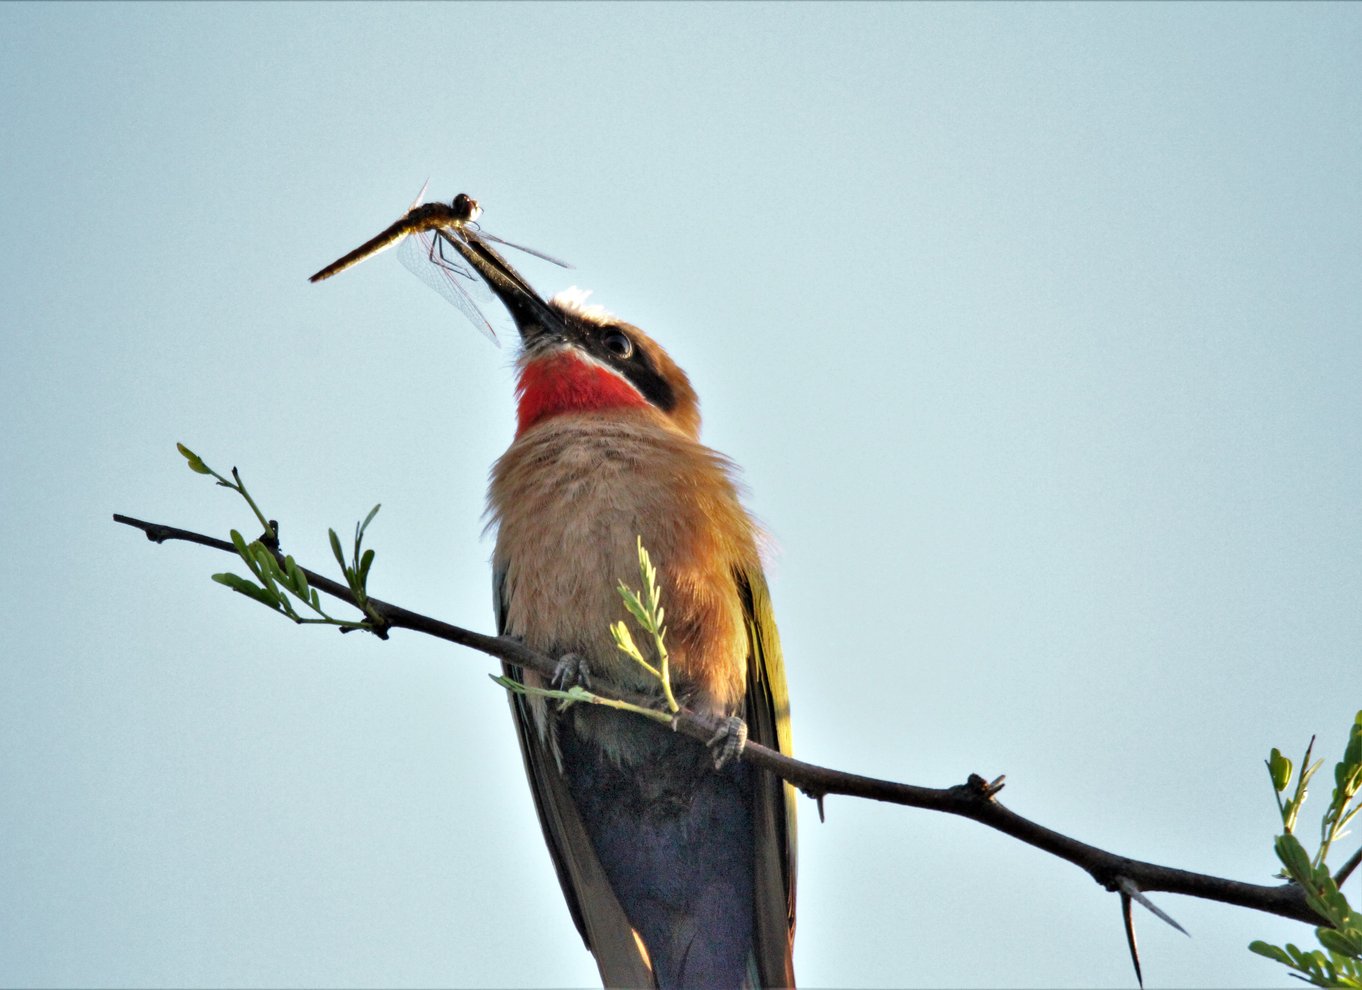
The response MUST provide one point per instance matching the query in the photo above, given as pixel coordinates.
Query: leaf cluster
(1338, 963)
(646, 608)
(276, 579)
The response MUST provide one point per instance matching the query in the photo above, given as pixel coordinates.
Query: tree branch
(975, 799)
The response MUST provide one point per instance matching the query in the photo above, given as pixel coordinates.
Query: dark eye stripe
(653, 386)
(636, 366)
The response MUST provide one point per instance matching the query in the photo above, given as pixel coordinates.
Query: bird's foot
(571, 671)
(728, 742)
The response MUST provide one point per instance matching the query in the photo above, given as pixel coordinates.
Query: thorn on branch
(1128, 889)
(1128, 917)
(817, 795)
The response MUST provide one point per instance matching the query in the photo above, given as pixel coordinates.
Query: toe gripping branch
(728, 741)
(571, 671)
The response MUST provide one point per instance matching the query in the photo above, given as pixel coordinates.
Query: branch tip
(986, 789)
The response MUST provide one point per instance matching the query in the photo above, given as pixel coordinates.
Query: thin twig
(975, 799)
(1346, 870)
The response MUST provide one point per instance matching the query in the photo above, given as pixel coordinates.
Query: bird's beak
(534, 318)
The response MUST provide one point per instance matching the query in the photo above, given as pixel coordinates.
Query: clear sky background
(1034, 328)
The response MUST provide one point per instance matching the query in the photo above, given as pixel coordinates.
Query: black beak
(534, 318)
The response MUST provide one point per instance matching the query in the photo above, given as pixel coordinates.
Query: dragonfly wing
(420, 254)
(420, 197)
(521, 247)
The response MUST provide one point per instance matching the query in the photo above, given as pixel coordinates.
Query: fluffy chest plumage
(569, 500)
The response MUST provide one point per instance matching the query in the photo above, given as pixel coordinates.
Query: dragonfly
(425, 236)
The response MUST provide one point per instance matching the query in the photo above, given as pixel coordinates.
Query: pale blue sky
(1034, 328)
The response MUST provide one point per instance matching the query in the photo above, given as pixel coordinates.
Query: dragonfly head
(466, 207)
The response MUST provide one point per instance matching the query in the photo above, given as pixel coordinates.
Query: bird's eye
(617, 343)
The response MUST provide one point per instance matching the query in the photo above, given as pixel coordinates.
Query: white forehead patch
(574, 300)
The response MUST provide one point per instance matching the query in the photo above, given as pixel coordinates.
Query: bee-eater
(676, 874)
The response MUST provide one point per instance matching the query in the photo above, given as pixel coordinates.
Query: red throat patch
(563, 382)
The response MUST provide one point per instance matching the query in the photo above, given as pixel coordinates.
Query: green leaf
(369, 518)
(1293, 856)
(515, 687)
(336, 548)
(195, 462)
(297, 580)
(268, 561)
(1271, 951)
(244, 551)
(269, 572)
(633, 604)
(249, 589)
(624, 640)
(1279, 767)
(1336, 907)
(1300, 959)
(273, 576)
(1336, 941)
(1353, 752)
(365, 563)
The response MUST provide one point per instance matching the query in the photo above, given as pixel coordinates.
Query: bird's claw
(728, 741)
(571, 671)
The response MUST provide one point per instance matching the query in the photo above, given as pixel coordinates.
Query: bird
(677, 874)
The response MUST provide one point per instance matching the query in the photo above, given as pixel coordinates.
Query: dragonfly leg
(449, 265)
